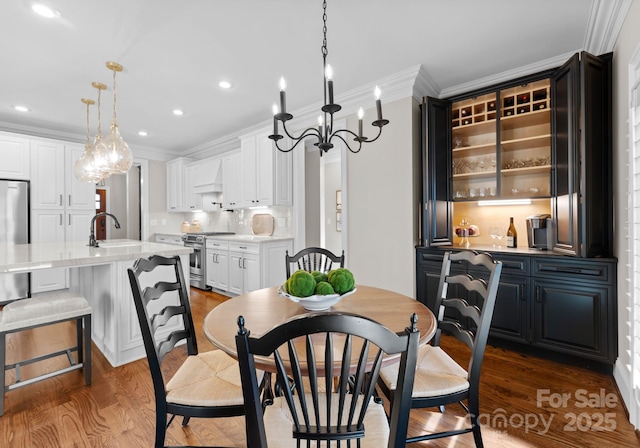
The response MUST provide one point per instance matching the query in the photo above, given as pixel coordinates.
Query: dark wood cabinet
(578, 179)
(437, 214)
(562, 304)
(581, 154)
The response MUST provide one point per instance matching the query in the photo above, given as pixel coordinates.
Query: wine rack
(516, 166)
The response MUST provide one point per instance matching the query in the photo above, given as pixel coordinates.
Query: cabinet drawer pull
(512, 264)
(242, 247)
(570, 270)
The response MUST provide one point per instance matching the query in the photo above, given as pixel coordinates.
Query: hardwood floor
(117, 410)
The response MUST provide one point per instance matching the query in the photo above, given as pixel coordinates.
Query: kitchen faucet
(92, 236)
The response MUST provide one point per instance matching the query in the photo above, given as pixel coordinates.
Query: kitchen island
(100, 275)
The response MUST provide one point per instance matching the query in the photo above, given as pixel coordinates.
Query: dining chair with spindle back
(313, 259)
(314, 350)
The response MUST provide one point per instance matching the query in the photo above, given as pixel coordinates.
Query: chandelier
(325, 131)
(107, 156)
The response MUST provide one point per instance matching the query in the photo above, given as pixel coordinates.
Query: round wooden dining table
(264, 309)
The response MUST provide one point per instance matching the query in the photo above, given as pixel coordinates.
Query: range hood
(208, 177)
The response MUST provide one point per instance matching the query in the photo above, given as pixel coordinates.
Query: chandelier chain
(325, 51)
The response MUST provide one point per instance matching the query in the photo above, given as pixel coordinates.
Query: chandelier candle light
(324, 132)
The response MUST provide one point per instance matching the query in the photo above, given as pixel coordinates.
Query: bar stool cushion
(43, 308)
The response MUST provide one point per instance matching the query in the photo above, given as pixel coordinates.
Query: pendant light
(100, 165)
(118, 155)
(83, 168)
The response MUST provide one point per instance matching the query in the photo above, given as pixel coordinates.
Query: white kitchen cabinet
(244, 267)
(54, 185)
(267, 173)
(175, 185)
(61, 206)
(240, 264)
(231, 180)
(50, 226)
(14, 157)
(217, 253)
(192, 200)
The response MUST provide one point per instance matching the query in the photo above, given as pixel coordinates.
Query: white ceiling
(175, 52)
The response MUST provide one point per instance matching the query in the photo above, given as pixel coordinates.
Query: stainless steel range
(198, 258)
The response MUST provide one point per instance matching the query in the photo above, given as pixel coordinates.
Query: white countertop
(29, 257)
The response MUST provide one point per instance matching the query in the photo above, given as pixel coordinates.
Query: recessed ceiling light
(44, 11)
(224, 84)
(143, 133)
(21, 108)
(178, 112)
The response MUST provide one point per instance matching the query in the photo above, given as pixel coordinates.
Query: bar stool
(46, 309)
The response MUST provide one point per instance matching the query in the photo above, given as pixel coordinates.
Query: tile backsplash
(239, 221)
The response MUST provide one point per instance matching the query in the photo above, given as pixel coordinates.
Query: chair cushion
(43, 308)
(436, 374)
(278, 422)
(207, 379)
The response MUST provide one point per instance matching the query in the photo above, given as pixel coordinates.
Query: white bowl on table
(315, 302)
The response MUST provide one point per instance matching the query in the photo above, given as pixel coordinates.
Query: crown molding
(605, 22)
(505, 76)
(144, 152)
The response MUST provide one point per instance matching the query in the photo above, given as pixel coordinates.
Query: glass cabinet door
(473, 148)
(525, 141)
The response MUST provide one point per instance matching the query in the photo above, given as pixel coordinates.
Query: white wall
(382, 202)
(628, 41)
(332, 183)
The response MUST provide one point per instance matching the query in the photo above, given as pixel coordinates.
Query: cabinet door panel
(48, 226)
(251, 267)
(221, 271)
(48, 174)
(510, 315)
(14, 158)
(437, 214)
(596, 156)
(210, 274)
(573, 319)
(79, 195)
(565, 96)
(236, 274)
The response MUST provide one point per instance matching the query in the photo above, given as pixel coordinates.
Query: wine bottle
(512, 235)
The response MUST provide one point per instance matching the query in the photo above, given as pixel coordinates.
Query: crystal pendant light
(118, 155)
(99, 162)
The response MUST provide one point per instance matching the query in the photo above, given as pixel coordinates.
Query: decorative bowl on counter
(315, 302)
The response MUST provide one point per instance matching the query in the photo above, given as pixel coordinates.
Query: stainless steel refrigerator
(14, 229)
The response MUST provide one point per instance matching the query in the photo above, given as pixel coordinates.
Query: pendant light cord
(114, 97)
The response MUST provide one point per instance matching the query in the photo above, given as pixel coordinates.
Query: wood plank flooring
(117, 410)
